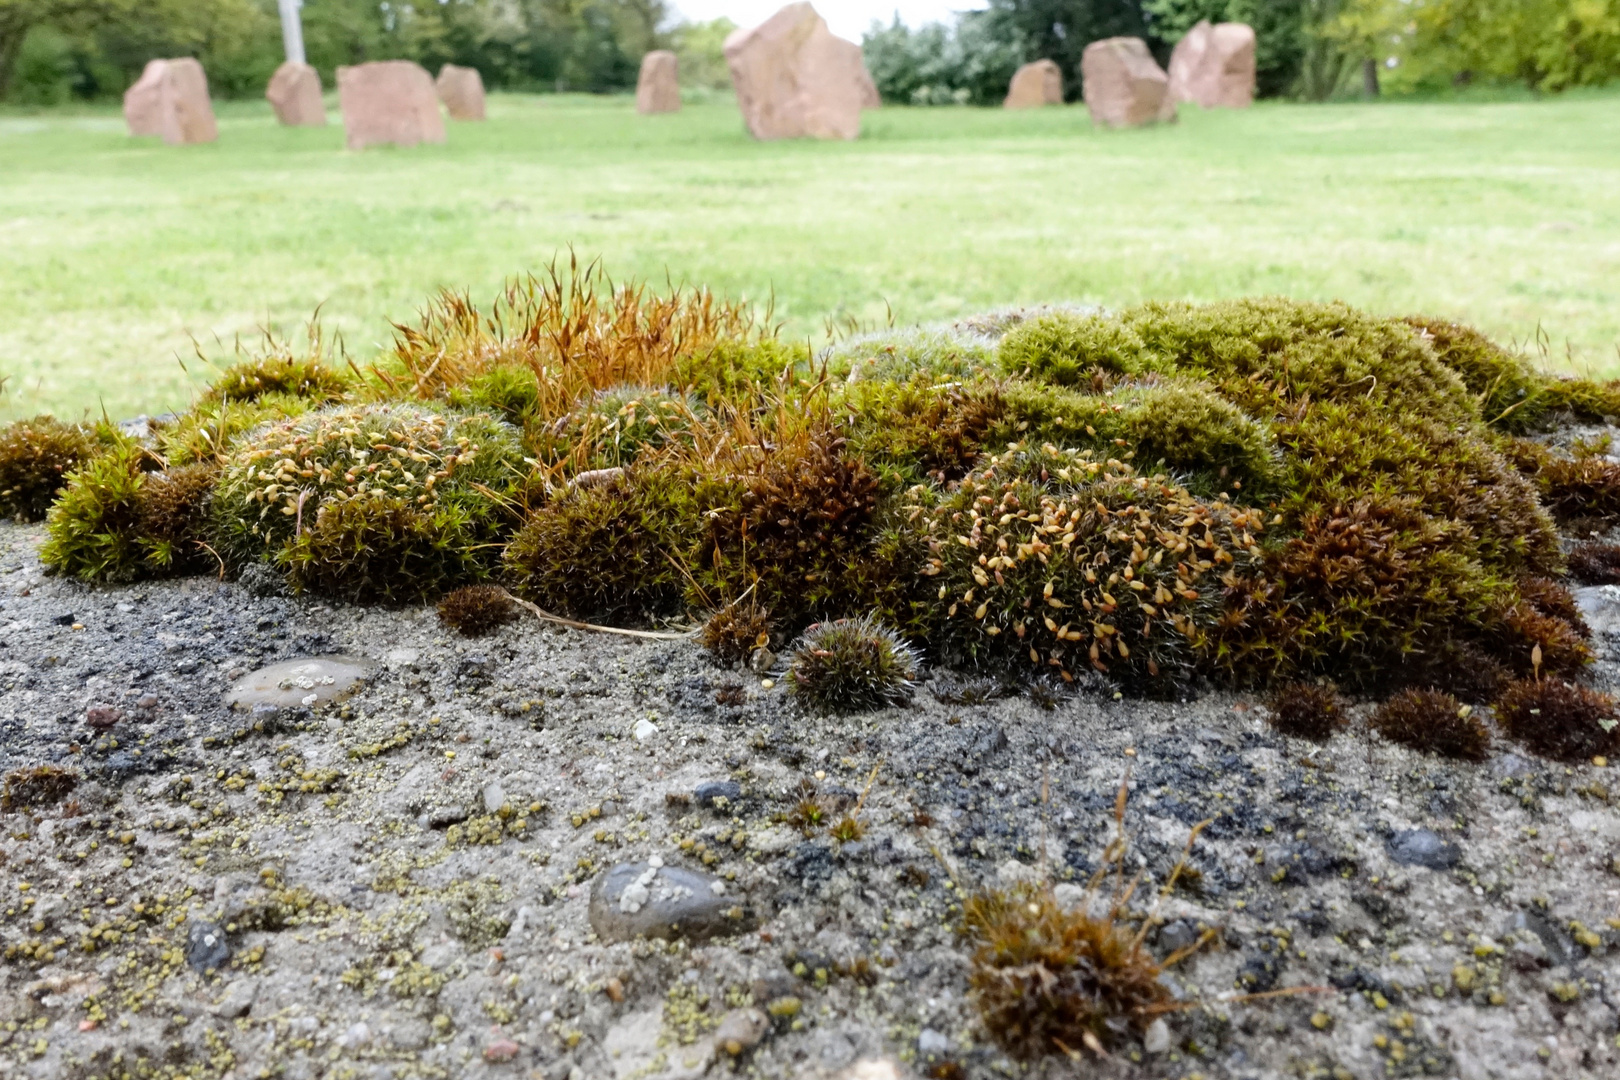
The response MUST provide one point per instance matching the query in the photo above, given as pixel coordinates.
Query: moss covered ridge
(1248, 492)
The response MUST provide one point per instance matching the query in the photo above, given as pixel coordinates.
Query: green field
(116, 253)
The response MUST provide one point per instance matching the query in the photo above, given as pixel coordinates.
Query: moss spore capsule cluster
(1254, 493)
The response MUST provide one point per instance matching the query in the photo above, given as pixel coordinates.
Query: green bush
(613, 427)
(207, 431)
(94, 527)
(430, 487)
(1054, 559)
(901, 355)
(1066, 348)
(740, 371)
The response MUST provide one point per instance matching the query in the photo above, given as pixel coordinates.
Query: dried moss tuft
(1559, 719)
(1434, 722)
(852, 665)
(1049, 979)
(35, 457)
(476, 610)
(38, 786)
(1306, 710)
(1595, 563)
(734, 632)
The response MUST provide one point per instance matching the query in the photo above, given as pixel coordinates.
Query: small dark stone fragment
(1423, 847)
(705, 794)
(206, 947)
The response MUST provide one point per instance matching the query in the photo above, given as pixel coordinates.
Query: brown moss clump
(1543, 630)
(1559, 719)
(1362, 590)
(612, 551)
(173, 521)
(735, 631)
(799, 532)
(35, 457)
(1595, 563)
(1306, 710)
(476, 610)
(1581, 491)
(1048, 979)
(1434, 722)
(41, 785)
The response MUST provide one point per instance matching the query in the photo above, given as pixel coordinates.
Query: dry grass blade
(574, 624)
(574, 329)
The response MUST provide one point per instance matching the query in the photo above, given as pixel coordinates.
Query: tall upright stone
(795, 79)
(295, 94)
(1123, 85)
(1037, 83)
(462, 91)
(141, 101)
(388, 101)
(658, 87)
(1214, 66)
(171, 99)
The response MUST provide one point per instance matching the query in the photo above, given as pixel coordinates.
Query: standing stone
(795, 79)
(1123, 85)
(658, 87)
(388, 101)
(295, 93)
(1037, 83)
(171, 99)
(462, 91)
(142, 101)
(1216, 67)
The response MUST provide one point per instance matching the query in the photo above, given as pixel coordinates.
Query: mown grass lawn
(115, 253)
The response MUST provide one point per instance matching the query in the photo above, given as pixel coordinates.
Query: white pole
(292, 31)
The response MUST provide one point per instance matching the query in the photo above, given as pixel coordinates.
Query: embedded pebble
(1423, 847)
(206, 947)
(740, 1030)
(706, 794)
(304, 682)
(643, 900)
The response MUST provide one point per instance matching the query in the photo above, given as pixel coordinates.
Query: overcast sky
(847, 18)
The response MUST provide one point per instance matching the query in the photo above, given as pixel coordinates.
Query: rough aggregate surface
(399, 883)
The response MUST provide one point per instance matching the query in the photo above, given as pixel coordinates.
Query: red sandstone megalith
(1213, 66)
(1037, 83)
(171, 99)
(295, 94)
(1123, 85)
(795, 79)
(388, 102)
(462, 91)
(658, 87)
